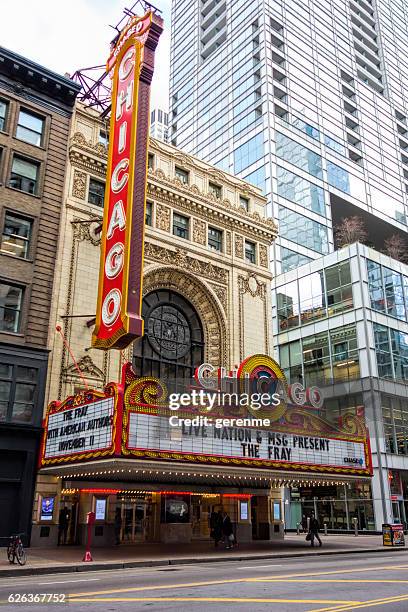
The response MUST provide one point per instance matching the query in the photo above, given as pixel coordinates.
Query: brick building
(35, 112)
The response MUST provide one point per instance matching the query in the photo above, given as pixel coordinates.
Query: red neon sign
(118, 314)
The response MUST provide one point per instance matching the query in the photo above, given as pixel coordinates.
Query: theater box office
(115, 453)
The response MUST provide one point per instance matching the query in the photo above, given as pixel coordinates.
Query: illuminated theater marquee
(118, 315)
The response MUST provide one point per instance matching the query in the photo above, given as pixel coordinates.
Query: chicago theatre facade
(108, 446)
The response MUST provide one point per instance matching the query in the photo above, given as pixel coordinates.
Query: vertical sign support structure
(131, 64)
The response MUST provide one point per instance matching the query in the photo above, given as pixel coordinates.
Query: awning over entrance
(123, 471)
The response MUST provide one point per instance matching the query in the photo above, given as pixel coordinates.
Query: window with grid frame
(96, 192)
(181, 226)
(24, 175)
(215, 238)
(250, 251)
(18, 392)
(16, 236)
(3, 115)
(215, 189)
(183, 175)
(11, 298)
(30, 128)
(149, 213)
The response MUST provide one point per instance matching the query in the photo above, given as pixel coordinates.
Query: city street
(340, 583)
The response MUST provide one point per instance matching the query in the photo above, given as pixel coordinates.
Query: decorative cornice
(179, 258)
(87, 367)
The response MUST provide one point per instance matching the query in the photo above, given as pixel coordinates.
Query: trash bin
(393, 535)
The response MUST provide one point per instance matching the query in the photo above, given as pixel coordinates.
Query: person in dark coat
(117, 525)
(63, 522)
(304, 523)
(227, 530)
(314, 530)
(216, 526)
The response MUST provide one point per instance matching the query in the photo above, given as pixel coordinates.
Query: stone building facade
(35, 112)
(230, 293)
(206, 250)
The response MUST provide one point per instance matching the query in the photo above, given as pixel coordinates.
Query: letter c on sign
(111, 307)
(117, 184)
(126, 65)
(114, 260)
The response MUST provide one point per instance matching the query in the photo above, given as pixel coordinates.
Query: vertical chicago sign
(118, 314)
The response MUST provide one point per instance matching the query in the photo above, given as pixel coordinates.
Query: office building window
(30, 128)
(183, 175)
(388, 290)
(302, 230)
(395, 420)
(3, 115)
(215, 190)
(244, 202)
(338, 177)
(312, 299)
(391, 347)
(344, 353)
(24, 175)
(250, 251)
(248, 153)
(215, 238)
(298, 155)
(257, 178)
(291, 259)
(10, 307)
(288, 306)
(180, 226)
(96, 193)
(149, 213)
(18, 387)
(290, 359)
(306, 128)
(316, 359)
(334, 144)
(338, 288)
(16, 235)
(297, 189)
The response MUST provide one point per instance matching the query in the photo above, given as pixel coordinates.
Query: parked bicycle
(15, 550)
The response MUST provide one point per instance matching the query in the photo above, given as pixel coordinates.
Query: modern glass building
(341, 323)
(306, 100)
(309, 102)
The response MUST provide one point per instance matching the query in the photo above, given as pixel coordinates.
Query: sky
(65, 36)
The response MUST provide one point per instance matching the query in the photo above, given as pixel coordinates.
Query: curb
(93, 567)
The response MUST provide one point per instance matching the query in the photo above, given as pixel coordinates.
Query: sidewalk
(69, 559)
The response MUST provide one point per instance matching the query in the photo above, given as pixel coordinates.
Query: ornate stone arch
(204, 300)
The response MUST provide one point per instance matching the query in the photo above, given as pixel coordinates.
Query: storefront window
(175, 508)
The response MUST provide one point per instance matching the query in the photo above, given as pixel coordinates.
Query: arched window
(173, 342)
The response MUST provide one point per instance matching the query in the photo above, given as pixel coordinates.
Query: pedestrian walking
(216, 527)
(314, 530)
(227, 531)
(304, 524)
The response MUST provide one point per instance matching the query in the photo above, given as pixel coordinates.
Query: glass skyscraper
(307, 100)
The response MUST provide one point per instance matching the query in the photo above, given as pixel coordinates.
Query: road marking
(218, 599)
(328, 581)
(257, 566)
(364, 604)
(66, 581)
(232, 581)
